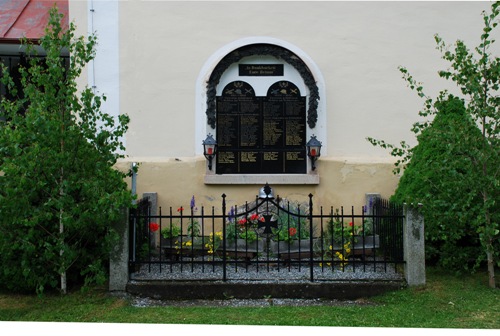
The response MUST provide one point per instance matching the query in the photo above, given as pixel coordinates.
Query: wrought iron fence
(268, 235)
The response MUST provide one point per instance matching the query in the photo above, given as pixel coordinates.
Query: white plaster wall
(104, 70)
(103, 73)
(161, 49)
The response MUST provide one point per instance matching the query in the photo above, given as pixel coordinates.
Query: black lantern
(313, 147)
(209, 149)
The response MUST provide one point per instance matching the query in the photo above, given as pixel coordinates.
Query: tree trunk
(491, 270)
(63, 272)
(61, 234)
(488, 246)
(62, 193)
(491, 266)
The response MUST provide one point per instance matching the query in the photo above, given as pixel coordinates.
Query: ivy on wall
(263, 50)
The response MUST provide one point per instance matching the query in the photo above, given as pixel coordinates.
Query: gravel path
(260, 303)
(271, 272)
(268, 272)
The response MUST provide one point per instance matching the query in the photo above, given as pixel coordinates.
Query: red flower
(254, 217)
(181, 209)
(351, 224)
(153, 227)
(292, 231)
(242, 221)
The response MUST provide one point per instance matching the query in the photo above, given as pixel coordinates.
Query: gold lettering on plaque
(271, 156)
(293, 156)
(272, 132)
(225, 157)
(248, 156)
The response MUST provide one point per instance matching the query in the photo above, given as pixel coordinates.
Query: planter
(240, 248)
(300, 249)
(362, 245)
(296, 249)
(184, 245)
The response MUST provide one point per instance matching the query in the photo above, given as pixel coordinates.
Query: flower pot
(296, 249)
(169, 242)
(184, 245)
(359, 244)
(240, 248)
(368, 242)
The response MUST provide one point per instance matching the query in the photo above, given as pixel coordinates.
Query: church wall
(356, 46)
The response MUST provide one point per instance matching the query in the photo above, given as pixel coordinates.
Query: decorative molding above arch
(262, 49)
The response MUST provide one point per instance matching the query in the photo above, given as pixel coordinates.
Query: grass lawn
(447, 301)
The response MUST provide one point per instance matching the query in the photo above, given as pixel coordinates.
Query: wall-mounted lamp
(313, 147)
(209, 149)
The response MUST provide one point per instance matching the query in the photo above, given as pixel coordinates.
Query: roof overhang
(28, 18)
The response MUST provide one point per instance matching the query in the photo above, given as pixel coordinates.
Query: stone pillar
(153, 199)
(414, 246)
(118, 261)
(370, 199)
(371, 223)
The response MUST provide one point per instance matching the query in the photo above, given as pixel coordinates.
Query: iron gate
(269, 235)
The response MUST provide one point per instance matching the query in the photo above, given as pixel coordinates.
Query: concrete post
(118, 262)
(414, 246)
(153, 211)
(370, 199)
(153, 199)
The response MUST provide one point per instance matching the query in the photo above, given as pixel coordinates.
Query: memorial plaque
(295, 161)
(272, 133)
(259, 135)
(260, 69)
(227, 131)
(238, 114)
(284, 110)
(249, 134)
(272, 162)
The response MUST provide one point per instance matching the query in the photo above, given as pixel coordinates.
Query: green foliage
(172, 231)
(337, 231)
(293, 227)
(59, 193)
(454, 170)
(243, 228)
(441, 176)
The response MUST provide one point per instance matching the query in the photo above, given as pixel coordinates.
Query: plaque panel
(285, 110)
(260, 69)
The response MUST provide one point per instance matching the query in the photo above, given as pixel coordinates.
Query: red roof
(19, 18)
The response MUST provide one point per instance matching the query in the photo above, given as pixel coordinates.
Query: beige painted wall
(357, 46)
(341, 184)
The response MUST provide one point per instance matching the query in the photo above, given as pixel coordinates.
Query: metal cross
(268, 224)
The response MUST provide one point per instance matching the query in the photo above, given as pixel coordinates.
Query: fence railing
(265, 236)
